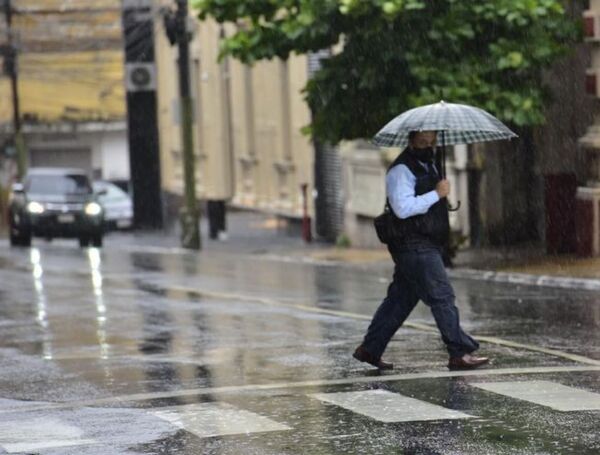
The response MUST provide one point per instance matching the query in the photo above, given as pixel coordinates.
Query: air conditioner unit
(591, 26)
(140, 77)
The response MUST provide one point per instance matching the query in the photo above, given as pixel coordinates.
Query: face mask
(425, 154)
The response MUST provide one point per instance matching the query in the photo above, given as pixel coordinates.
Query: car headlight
(35, 208)
(93, 209)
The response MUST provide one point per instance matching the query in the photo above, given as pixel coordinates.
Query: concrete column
(248, 158)
(459, 190)
(588, 196)
(285, 164)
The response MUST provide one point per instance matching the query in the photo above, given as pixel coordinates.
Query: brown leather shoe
(466, 362)
(362, 355)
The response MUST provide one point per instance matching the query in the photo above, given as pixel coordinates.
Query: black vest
(431, 228)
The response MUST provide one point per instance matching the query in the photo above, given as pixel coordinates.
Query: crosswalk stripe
(40, 433)
(550, 394)
(28, 447)
(220, 419)
(111, 400)
(217, 419)
(386, 406)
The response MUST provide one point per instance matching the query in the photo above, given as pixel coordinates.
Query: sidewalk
(529, 265)
(529, 260)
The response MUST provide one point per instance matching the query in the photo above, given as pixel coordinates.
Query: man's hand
(443, 188)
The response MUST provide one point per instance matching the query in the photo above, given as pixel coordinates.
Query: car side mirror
(18, 188)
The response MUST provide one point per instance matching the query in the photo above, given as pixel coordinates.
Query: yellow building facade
(67, 86)
(248, 143)
(70, 61)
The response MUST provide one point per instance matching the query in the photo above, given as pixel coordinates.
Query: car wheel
(19, 239)
(84, 241)
(15, 240)
(26, 240)
(97, 240)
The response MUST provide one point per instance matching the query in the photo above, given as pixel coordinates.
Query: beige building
(588, 195)
(248, 145)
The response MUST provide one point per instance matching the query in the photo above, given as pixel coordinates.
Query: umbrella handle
(453, 209)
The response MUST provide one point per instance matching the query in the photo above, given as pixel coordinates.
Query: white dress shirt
(400, 189)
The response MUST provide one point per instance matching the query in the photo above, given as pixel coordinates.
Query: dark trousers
(419, 275)
(216, 217)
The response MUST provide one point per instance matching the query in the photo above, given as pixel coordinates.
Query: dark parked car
(55, 203)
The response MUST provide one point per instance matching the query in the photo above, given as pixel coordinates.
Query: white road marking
(347, 314)
(386, 406)
(40, 433)
(313, 309)
(217, 419)
(530, 347)
(550, 394)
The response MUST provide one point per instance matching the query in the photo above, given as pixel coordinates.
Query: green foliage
(392, 55)
(343, 241)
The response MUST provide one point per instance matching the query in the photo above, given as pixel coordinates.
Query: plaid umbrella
(458, 123)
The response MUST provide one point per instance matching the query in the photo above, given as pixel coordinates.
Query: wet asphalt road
(148, 350)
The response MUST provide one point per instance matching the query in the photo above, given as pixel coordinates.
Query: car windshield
(58, 184)
(113, 192)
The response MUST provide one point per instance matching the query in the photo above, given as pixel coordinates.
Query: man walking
(416, 195)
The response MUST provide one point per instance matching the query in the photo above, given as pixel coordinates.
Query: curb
(588, 284)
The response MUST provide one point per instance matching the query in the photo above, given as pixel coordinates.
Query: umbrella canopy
(461, 124)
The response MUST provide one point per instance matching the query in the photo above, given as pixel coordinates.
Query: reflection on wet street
(142, 351)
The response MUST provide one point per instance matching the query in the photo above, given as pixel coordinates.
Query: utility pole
(142, 115)
(11, 68)
(177, 32)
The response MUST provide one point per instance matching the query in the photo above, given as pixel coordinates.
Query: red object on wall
(306, 222)
(585, 227)
(560, 193)
(589, 26)
(597, 227)
(590, 84)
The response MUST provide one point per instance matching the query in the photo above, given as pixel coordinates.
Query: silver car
(117, 204)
